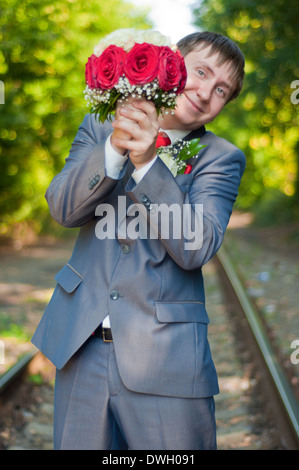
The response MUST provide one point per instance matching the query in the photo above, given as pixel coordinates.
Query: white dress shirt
(114, 163)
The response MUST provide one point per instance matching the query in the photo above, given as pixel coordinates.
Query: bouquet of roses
(134, 63)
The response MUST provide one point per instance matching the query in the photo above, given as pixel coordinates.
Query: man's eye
(220, 91)
(201, 73)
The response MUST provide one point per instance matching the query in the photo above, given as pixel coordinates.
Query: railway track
(16, 372)
(277, 393)
(281, 397)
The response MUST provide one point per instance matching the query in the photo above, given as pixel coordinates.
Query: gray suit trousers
(95, 411)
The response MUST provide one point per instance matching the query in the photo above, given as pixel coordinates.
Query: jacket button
(114, 295)
(144, 198)
(125, 249)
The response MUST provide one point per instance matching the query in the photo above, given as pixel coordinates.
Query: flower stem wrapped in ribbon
(134, 63)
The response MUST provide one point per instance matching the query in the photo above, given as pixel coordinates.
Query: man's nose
(204, 91)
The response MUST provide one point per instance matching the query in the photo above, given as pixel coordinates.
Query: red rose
(142, 64)
(183, 73)
(91, 70)
(172, 72)
(110, 66)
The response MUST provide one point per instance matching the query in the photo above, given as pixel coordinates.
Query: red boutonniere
(188, 169)
(174, 156)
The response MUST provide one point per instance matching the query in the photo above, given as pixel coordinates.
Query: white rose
(156, 38)
(127, 37)
(124, 38)
(169, 162)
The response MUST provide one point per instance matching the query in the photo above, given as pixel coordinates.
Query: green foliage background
(263, 121)
(44, 47)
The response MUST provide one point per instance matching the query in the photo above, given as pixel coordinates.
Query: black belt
(104, 333)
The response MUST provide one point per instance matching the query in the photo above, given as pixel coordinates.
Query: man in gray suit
(126, 327)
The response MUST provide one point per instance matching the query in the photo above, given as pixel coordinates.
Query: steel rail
(16, 370)
(284, 391)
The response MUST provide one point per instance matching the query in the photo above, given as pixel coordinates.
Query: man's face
(207, 90)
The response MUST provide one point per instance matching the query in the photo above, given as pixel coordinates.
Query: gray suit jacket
(151, 286)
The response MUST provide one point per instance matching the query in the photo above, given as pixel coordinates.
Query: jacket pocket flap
(168, 312)
(68, 278)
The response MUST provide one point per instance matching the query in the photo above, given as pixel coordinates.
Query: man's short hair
(226, 49)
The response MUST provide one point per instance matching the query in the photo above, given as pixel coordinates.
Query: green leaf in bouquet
(104, 111)
(190, 150)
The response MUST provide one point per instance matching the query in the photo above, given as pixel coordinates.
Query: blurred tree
(44, 47)
(263, 121)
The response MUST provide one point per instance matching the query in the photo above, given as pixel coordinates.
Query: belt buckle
(104, 337)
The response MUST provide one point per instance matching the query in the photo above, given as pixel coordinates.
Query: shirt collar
(175, 134)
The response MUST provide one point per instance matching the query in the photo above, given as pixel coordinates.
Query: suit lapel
(128, 173)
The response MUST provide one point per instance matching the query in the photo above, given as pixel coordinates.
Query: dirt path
(26, 285)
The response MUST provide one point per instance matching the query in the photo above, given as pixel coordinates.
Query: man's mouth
(195, 105)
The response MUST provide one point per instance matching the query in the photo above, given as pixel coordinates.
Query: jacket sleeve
(75, 192)
(197, 206)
